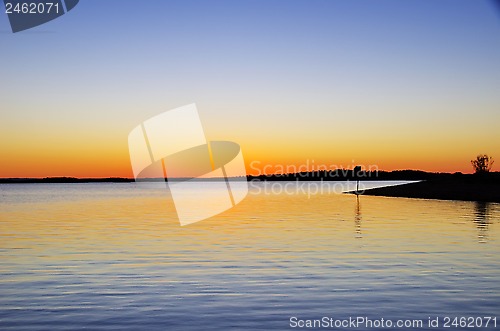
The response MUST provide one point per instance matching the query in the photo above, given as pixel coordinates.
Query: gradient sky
(397, 84)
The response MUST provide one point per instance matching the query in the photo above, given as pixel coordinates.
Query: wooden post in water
(355, 174)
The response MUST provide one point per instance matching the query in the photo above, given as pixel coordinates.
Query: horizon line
(276, 175)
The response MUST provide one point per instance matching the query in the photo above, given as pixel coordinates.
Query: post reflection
(481, 219)
(357, 218)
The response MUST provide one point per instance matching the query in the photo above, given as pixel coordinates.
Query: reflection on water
(357, 218)
(113, 257)
(481, 220)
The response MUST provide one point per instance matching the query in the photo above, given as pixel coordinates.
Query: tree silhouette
(482, 163)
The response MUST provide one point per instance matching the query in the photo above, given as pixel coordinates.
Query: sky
(394, 84)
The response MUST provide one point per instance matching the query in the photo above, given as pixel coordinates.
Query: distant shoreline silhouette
(445, 186)
(334, 175)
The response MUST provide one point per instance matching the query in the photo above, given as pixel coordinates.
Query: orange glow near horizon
(101, 154)
(101, 163)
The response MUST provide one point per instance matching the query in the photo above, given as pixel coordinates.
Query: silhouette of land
(446, 186)
(64, 180)
(482, 188)
(349, 174)
(334, 175)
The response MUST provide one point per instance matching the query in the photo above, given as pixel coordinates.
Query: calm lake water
(113, 257)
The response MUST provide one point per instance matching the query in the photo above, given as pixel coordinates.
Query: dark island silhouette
(322, 175)
(467, 187)
(483, 187)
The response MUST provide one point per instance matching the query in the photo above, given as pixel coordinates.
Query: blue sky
(291, 73)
